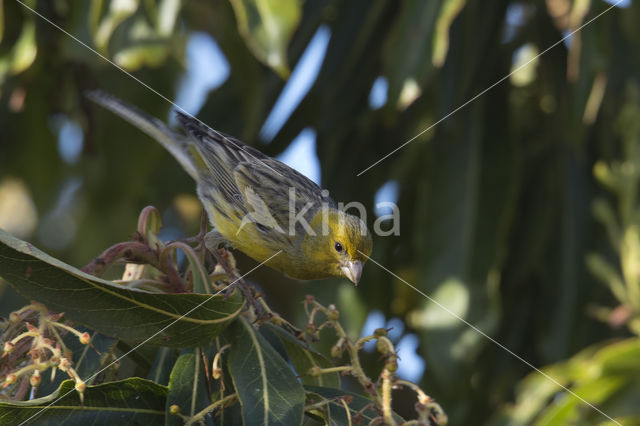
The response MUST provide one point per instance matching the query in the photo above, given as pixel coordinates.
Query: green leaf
(174, 320)
(304, 358)
(188, 387)
(567, 408)
(146, 54)
(131, 401)
(22, 54)
(409, 48)
(267, 27)
(162, 366)
(119, 11)
(621, 358)
(450, 9)
(608, 274)
(1, 21)
(356, 407)
(466, 217)
(606, 376)
(267, 387)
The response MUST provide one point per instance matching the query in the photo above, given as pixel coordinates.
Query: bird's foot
(226, 260)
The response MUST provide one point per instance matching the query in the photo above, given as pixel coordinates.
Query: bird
(257, 204)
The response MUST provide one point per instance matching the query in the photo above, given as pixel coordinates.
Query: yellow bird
(256, 203)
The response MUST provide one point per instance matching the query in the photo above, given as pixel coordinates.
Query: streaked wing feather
(254, 176)
(236, 166)
(219, 156)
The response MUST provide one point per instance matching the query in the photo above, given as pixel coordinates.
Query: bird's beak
(352, 270)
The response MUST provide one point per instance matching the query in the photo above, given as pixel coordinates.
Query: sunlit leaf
(267, 27)
(135, 57)
(450, 9)
(603, 376)
(118, 12)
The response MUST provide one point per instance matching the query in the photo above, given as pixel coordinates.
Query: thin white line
(490, 87)
(494, 341)
(152, 336)
(182, 110)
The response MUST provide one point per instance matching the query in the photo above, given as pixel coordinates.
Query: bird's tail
(173, 142)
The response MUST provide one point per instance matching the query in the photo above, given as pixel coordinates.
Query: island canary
(258, 204)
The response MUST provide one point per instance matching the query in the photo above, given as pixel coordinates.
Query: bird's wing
(279, 188)
(216, 156)
(173, 142)
(236, 166)
(223, 166)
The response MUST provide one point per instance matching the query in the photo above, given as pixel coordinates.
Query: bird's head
(342, 243)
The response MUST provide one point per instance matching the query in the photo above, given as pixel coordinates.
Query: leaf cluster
(179, 337)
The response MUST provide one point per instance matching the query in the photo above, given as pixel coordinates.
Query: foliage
(254, 356)
(606, 375)
(622, 178)
(502, 212)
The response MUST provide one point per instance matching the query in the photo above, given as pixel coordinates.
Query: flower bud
(216, 373)
(14, 317)
(369, 387)
(336, 351)
(379, 332)
(314, 371)
(10, 379)
(382, 347)
(392, 364)
(310, 328)
(81, 386)
(64, 364)
(85, 338)
(174, 409)
(334, 314)
(35, 379)
(8, 348)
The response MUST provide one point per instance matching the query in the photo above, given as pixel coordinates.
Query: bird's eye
(338, 247)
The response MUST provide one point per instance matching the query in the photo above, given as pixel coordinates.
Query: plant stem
(386, 397)
(200, 415)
